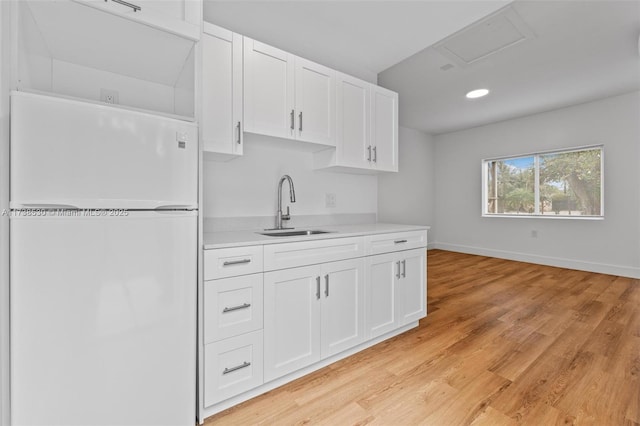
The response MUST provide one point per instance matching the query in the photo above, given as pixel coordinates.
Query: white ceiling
(361, 38)
(581, 50)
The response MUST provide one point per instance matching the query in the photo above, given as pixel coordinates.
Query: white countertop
(216, 240)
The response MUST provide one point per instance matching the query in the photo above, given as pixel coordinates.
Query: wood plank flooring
(504, 343)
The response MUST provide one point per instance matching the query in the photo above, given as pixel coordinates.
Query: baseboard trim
(601, 268)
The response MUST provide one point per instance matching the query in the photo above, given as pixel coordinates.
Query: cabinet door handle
(375, 154)
(236, 308)
(300, 121)
(236, 368)
(404, 269)
(318, 287)
(239, 141)
(126, 3)
(399, 241)
(398, 269)
(369, 156)
(326, 286)
(293, 126)
(235, 262)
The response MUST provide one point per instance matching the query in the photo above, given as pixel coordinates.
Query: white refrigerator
(103, 265)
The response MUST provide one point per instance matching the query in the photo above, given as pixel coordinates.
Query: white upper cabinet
(384, 129)
(353, 121)
(221, 116)
(180, 17)
(366, 128)
(286, 96)
(315, 103)
(268, 90)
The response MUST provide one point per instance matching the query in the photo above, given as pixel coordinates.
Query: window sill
(538, 216)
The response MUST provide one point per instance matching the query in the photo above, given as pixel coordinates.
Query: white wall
(408, 196)
(611, 245)
(247, 186)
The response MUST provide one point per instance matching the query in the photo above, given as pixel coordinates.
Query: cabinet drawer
(232, 366)
(386, 243)
(232, 306)
(291, 255)
(229, 262)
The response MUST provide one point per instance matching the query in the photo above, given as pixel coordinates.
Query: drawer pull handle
(236, 368)
(235, 262)
(326, 288)
(236, 308)
(318, 287)
(400, 241)
(398, 269)
(404, 269)
(131, 5)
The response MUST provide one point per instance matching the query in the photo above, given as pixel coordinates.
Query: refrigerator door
(73, 153)
(103, 319)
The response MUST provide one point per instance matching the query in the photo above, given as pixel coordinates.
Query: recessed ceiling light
(477, 93)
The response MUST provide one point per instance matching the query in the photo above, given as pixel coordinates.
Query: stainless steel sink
(292, 233)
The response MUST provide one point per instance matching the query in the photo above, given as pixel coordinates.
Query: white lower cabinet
(412, 286)
(381, 301)
(396, 290)
(342, 313)
(311, 313)
(234, 306)
(273, 310)
(232, 366)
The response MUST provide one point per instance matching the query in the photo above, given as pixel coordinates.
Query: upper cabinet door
(268, 90)
(180, 17)
(315, 102)
(384, 129)
(352, 121)
(221, 122)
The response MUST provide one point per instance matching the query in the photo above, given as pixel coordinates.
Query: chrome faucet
(292, 195)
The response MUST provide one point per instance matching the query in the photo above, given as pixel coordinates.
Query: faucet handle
(286, 216)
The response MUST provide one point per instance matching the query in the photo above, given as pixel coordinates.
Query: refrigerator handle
(48, 206)
(176, 207)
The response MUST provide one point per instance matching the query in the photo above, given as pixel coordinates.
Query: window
(560, 184)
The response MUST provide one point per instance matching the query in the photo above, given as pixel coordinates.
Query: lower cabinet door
(382, 306)
(342, 306)
(232, 366)
(412, 285)
(291, 320)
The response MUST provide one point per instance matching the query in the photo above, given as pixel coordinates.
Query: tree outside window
(561, 183)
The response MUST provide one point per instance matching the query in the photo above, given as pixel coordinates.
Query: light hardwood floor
(503, 343)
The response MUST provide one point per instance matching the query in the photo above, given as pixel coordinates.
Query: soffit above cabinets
(83, 35)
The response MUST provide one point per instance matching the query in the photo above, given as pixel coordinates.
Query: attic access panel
(496, 32)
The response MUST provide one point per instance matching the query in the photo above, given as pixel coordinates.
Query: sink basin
(292, 233)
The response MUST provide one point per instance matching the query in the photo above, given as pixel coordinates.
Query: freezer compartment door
(67, 152)
(103, 320)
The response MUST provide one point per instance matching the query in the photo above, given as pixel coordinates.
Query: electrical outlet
(330, 200)
(109, 96)
(534, 233)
